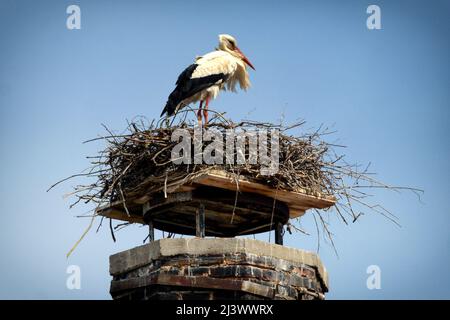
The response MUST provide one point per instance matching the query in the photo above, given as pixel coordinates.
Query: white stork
(219, 70)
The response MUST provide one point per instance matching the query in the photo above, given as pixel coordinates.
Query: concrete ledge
(143, 255)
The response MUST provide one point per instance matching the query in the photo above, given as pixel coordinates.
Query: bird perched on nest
(221, 69)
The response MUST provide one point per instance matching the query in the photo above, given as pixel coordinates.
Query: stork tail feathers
(172, 102)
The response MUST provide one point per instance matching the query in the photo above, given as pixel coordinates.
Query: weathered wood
(225, 215)
(172, 198)
(200, 221)
(301, 200)
(117, 212)
(220, 203)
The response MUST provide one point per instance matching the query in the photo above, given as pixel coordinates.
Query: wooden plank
(221, 179)
(118, 214)
(173, 187)
(297, 202)
(156, 202)
(295, 211)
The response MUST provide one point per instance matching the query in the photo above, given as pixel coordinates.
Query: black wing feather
(186, 87)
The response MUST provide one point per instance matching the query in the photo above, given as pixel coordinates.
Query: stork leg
(205, 111)
(199, 114)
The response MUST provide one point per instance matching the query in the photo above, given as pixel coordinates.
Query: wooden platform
(255, 208)
(298, 202)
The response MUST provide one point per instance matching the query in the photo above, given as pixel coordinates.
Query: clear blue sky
(385, 91)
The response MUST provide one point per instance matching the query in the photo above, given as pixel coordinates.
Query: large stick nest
(138, 161)
(141, 161)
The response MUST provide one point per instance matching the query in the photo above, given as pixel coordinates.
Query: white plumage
(219, 70)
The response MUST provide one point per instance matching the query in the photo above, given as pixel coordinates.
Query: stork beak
(244, 58)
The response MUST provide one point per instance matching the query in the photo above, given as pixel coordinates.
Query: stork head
(228, 43)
